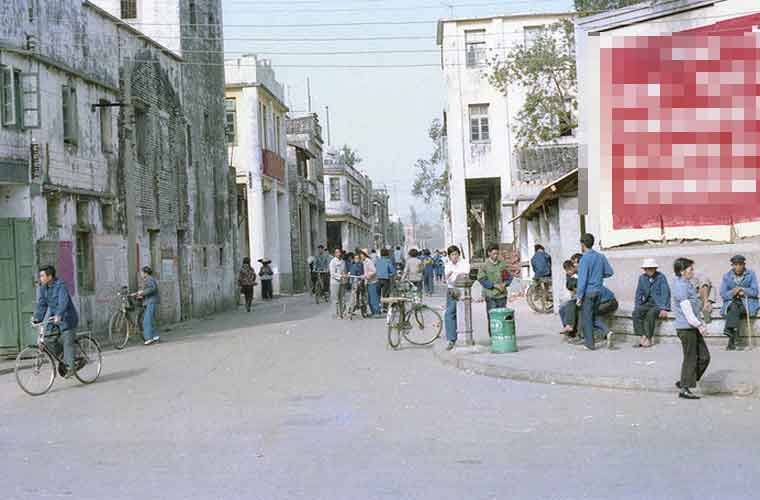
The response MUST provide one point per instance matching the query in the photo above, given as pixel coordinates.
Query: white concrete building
(479, 121)
(257, 142)
(348, 194)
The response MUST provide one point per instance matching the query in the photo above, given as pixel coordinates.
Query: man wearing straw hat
(652, 302)
(739, 292)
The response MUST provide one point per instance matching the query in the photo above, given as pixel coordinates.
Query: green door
(16, 282)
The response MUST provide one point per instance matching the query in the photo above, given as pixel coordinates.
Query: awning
(566, 183)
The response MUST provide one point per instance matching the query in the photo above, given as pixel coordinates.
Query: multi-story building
(380, 219)
(478, 125)
(111, 156)
(347, 204)
(307, 194)
(258, 145)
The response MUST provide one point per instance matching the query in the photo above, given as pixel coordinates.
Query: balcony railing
(305, 125)
(274, 166)
(543, 164)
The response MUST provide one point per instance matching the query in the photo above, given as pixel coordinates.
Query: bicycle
(121, 325)
(358, 298)
(539, 296)
(36, 364)
(420, 324)
(318, 289)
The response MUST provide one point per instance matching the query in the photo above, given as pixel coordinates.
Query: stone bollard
(465, 284)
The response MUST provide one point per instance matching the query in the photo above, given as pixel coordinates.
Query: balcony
(274, 165)
(307, 188)
(540, 165)
(305, 125)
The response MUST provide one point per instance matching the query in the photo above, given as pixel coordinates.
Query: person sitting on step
(652, 301)
(739, 292)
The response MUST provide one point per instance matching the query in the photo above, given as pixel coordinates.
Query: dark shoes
(687, 394)
(450, 346)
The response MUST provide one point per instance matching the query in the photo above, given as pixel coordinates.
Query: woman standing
(455, 267)
(690, 329)
(413, 270)
(246, 281)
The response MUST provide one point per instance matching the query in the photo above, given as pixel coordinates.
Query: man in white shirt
(338, 281)
(456, 266)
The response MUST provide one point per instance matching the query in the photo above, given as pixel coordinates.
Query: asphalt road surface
(296, 405)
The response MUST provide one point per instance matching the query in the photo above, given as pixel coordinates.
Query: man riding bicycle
(320, 268)
(54, 297)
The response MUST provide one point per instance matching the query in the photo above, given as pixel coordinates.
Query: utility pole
(308, 94)
(327, 112)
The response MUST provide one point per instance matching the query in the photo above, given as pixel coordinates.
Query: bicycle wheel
(394, 326)
(532, 296)
(318, 292)
(35, 371)
(118, 330)
(424, 327)
(88, 360)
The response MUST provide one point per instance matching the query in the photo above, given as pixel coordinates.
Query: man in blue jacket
(593, 269)
(652, 302)
(541, 263)
(53, 296)
(151, 296)
(739, 292)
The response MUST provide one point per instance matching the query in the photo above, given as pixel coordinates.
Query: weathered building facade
(112, 155)
(347, 205)
(380, 218)
(257, 143)
(307, 194)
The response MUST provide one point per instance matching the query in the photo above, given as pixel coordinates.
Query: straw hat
(649, 263)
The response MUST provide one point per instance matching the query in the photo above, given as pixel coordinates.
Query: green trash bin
(503, 336)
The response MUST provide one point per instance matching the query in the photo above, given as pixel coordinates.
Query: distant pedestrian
(385, 272)
(494, 277)
(398, 258)
(246, 281)
(438, 263)
(739, 291)
(652, 302)
(593, 269)
(151, 296)
(370, 278)
(413, 270)
(267, 275)
(374, 256)
(320, 269)
(691, 331)
(456, 267)
(428, 272)
(338, 279)
(541, 262)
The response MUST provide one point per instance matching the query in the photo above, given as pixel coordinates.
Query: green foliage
(546, 70)
(432, 175)
(591, 7)
(348, 156)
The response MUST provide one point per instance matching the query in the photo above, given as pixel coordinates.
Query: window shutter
(8, 97)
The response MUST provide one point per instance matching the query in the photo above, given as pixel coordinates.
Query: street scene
(379, 249)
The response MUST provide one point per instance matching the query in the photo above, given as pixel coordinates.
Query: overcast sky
(383, 112)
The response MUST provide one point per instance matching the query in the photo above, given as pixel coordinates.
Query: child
(266, 274)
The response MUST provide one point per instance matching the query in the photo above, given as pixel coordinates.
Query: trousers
(696, 356)
(590, 318)
(734, 316)
(645, 319)
(450, 319)
(148, 330)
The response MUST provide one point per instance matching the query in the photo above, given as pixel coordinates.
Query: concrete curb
(470, 360)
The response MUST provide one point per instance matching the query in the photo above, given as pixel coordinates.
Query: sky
(379, 74)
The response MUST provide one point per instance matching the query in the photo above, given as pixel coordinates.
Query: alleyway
(293, 405)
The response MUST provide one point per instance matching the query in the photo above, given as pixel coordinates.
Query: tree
(432, 175)
(546, 69)
(348, 156)
(591, 7)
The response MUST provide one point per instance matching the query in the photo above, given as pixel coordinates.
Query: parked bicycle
(358, 301)
(36, 365)
(539, 296)
(319, 290)
(122, 325)
(409, 318)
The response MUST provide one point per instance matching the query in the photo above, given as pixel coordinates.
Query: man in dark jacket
(541, 263)
(652, 302)
(54, 297)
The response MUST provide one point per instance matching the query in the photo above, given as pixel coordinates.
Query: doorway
(17, 278)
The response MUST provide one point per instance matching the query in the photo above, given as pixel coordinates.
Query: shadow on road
(121, 375)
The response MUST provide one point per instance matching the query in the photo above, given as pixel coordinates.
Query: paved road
(300, 406)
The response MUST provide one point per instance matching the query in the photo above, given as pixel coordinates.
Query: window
(277, 134)
(205, 257)
(85, 262)
(230, 114)
(70, 115)
(83, 213)
(53, 211)
(334, 188)
(532, 33)
(106, 214)
(106, 137)
(475, 47)
(356, 196)
(193, 13)
(30, 99)
(221, 256)
(155, 251)
(206, 127)
(479, 123)
(141, 134)
(129, 9)
(265, 124)
(11, 97)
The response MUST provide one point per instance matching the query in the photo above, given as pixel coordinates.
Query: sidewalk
(177, 331)
(544, 358)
